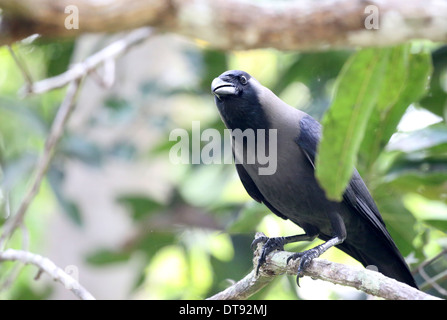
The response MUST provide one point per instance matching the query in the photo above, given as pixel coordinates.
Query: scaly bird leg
(277, 243)
(339, 235)
(307, 256)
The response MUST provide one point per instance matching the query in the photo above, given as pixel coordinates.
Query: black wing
(253, 190)
(356, 194)
(359, 200)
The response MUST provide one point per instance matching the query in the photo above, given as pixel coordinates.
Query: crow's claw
(270, 244)
(305, 259)
(258, 240)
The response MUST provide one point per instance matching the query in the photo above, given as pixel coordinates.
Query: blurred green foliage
(197, 242)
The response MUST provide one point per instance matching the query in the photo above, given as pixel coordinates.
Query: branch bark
(237, 24)
(46, 265)
(368, 281)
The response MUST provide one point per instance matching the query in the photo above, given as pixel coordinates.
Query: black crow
(292, 192)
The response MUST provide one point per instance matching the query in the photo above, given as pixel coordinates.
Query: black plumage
(292, 192)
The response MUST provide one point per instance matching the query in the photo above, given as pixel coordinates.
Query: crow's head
(233, 84)
(237, 96)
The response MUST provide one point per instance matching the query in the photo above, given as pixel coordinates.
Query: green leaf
(399, 221)
(15, 115)
(55, 178)
(17, 170)
(436, 99)
(58, 55)
(105, 256)
(77, 147)
(248, 218)
(423, 171)
(214, 63)
(140, 206)
(148, 243)
(431, 212)
(313, 69)
(394, 79)
(344, 124)
(199, 188)
(433, 138)
(153, 241)
(405, 82)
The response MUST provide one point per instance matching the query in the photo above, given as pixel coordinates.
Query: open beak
(220, 87)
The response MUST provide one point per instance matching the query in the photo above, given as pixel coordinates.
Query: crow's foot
(305, 259)
(270, 244)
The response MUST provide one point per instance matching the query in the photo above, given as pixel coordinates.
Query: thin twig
(57, 129)
(7, 205)
(23, 69)
(429, 261)
(81, 69)
(17, 268)
(368, 281)
(429, 281)
(46, 265)
(72, 77)
(107, 78)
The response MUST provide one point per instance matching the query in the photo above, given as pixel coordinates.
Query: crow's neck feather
(242, 114)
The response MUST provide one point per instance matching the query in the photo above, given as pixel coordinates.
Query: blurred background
(115, 212)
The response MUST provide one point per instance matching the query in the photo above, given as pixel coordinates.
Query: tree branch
(368, 281)
(238, 24)
(81, 69)
(57, 129)
(431, 282)
(46, 265)
(72, 78)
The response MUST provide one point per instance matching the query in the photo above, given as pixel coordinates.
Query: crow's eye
(243, 80)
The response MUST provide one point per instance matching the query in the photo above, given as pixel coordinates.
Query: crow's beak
(221, 88)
